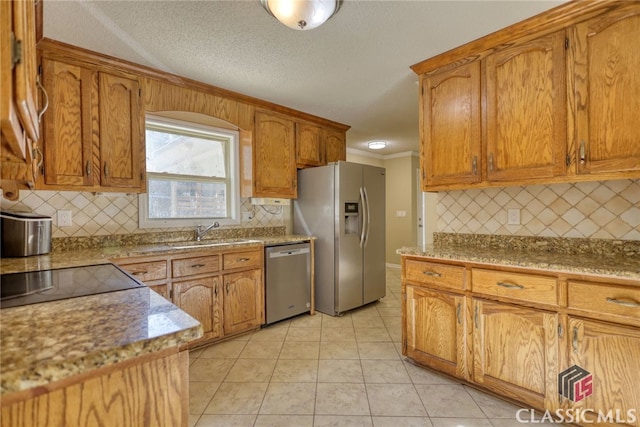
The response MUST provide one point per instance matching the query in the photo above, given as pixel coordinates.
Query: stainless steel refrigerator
(343, 205)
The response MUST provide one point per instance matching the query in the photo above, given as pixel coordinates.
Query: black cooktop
(50, 285)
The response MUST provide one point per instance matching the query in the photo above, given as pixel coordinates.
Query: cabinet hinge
(40, 69)
(560, 331)
(566, 43)
(16, 50)
(140, 92)
(568, 160)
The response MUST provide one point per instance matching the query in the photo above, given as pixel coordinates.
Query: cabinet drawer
(195, 265)
(525, 287)
(434, 274)
(249, 259)
(146, 271)
(605, 299)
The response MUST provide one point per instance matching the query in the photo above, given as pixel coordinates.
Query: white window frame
(233, 178)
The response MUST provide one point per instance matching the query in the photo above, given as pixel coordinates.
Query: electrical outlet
(65, 219)
(513, 216)
(401, 214)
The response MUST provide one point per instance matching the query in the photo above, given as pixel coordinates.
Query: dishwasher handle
(288, 252)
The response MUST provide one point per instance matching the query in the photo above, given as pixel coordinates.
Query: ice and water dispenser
(351, 218)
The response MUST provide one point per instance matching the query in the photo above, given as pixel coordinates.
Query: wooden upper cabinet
(526, 110)
(335, 145)
(93, 129)
(68, 126)
(605, 58)
(121, 124)
(309, 145)
(450, 126)
(274, 162)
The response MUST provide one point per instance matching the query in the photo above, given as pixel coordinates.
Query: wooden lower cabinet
(200, 298)
(516, 351)
(144, 393)
(243, 301)
(436, 330)
(609, 353)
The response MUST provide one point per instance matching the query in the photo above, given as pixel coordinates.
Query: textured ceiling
(354, 69)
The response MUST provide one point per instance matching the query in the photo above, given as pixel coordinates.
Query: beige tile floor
(332, 371)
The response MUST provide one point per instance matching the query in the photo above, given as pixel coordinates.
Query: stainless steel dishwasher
(288, 281)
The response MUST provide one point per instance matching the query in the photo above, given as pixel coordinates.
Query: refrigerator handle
(368, 213)
(364, 217)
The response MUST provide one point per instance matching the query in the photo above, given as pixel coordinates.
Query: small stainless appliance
(287, 281)
(343, 205)
(25, 234)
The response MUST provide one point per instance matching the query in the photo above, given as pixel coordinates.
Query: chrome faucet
(201, 231)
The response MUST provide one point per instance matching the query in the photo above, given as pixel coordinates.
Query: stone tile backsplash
(103, 214)
(603, 210)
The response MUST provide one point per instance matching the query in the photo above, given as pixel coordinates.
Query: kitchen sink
(209, 244)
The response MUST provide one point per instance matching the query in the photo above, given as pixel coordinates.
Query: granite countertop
(92, 256)
(618, 265)
(47, 342)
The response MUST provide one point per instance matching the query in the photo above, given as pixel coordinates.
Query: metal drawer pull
(243, 259)
(138, 273)
(510, 285)
(574, 342)
(475, 317)
(458, 310)
(197, 265)
(431, 273)
(626, 303)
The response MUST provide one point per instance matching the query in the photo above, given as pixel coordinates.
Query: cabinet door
(435, 330)
(243, 301)
(162, 289)
(516, 352)
(526, 110)
(69, 125)
(606, 59)
(450, 127)
(121, 124)
(309, 145)
(335, 146)
(201, 299)
(611, 355)
(275, 156)
(24, 28)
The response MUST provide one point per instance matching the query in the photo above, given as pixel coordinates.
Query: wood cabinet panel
(195, 265)
(516, 352)
(246, 260)
(69, 131)
(525, 287)
(121, 125)
(610, 354)
(526, 114)
(430, 273)
(274, 161)
(200, 298)
(335, 145)
(450, 126)
(243, 301)
(152, 393)
(598, 299)
(162, 289)
(607, 91)
(310, 149)
(146, 271)
(436, 330)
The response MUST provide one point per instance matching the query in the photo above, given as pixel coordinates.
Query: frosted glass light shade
(302, 14)
(377, 145)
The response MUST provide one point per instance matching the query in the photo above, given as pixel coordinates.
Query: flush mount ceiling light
(302, 14)
(377, 145)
